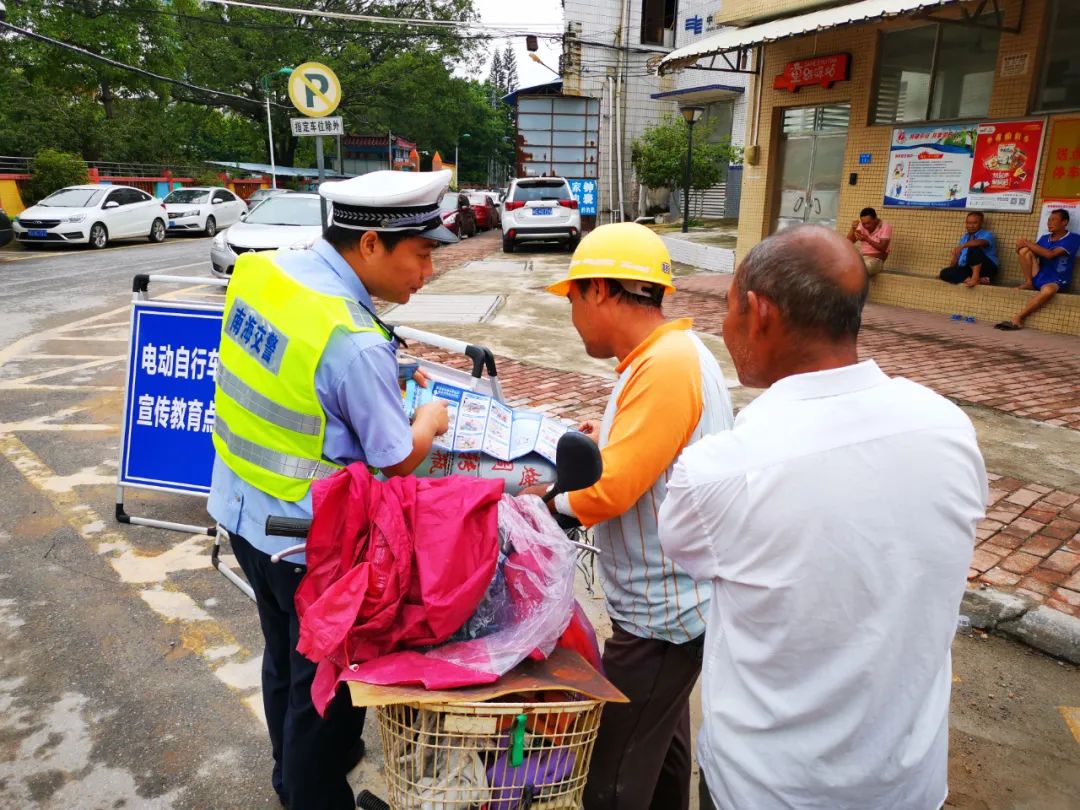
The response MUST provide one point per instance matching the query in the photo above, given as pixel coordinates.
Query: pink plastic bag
(539, 572)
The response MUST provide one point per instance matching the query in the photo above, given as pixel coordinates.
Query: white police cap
(391, 202)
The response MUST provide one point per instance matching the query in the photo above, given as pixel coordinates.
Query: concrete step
(987, 303)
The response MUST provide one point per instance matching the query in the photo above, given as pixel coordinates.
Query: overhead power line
(374, 18)
(130, 68)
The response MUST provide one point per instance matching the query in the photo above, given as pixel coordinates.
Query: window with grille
(936, 72)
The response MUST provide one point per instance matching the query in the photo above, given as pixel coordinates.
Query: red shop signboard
(823, 71)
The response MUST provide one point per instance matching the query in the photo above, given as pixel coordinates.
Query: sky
(540, 16)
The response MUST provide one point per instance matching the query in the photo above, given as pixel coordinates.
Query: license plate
(541, 212)
(172, 224)
(37, 233)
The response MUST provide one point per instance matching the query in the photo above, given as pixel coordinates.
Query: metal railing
(10, 164)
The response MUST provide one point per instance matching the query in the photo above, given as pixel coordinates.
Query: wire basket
(496, 756)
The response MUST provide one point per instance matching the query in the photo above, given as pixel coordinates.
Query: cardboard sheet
(564, 670)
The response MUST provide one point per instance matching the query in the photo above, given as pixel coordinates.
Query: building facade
(611, 53)
(361, 154)
(922, 110)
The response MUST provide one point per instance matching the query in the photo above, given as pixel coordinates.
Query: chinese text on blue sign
(584, 191)
(169, 411)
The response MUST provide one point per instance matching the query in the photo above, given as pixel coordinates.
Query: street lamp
(457, 169)
(691, 115)
(264, 80)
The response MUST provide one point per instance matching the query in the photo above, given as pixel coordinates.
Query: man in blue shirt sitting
(1047, 265)
(974, 259)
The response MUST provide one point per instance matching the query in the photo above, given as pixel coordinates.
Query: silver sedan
(281, 221)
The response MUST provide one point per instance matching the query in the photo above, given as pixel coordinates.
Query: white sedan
(204, 209)
(93, 215)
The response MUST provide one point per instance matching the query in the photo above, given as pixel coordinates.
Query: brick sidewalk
(1029, 542)
(1028, 374)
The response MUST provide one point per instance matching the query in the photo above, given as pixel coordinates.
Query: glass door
(811, 165)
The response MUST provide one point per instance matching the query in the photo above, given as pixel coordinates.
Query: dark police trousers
(312, 754)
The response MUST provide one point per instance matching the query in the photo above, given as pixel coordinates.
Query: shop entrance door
(811, 164)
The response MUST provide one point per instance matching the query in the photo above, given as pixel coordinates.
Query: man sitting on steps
(974, 259)
(1054, 254)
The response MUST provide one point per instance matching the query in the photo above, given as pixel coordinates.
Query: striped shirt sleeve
(657, 411)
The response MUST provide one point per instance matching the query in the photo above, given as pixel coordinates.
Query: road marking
(1072, 719)
(147, 574)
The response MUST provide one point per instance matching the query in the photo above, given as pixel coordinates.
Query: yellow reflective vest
(269, 424)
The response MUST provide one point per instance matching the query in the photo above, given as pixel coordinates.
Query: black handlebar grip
(369, 801)
(287, 527)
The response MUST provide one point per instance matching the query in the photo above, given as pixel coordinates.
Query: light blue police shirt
(989, 250)
(356, 383)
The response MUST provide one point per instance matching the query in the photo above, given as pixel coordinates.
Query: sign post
(316, 92)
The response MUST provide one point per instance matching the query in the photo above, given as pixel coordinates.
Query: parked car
(486, 210)
(5, 228)
(281, 221)
(264, 194)
(93, 215)
(457, 214)
(540, 209)
(206, 209)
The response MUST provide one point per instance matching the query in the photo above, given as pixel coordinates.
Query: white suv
(540, 209)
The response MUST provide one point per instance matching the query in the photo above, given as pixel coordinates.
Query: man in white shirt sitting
(835, 522)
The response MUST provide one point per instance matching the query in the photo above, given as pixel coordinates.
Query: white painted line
(148, 575)
(56, 372)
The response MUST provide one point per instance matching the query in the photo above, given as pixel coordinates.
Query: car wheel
(99, 236)
(157, 231)
(508, 245)
(572, 244)
(211, 227)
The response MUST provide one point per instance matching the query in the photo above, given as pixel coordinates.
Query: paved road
(129, 668)
(41, 287)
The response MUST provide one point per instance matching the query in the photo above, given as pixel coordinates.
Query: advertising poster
(1006, 165)
(1061, 180)
(929, 167)
(1072, 206)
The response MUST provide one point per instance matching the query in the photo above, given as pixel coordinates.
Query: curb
(1019, 618)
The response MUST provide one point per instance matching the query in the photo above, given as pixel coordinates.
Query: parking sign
(169, 406)
(585, 192)
(314, 89)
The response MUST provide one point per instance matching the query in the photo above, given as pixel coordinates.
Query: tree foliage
(51, 170)
(394, 78)
(659, 156)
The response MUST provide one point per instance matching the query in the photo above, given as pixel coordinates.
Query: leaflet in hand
(480, 423)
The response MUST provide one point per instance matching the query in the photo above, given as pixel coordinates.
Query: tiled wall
(746, 10)
(922, 238)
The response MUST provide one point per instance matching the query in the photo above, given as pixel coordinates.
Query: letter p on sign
(314, 89)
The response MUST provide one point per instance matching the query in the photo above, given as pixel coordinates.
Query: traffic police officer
(308, 383)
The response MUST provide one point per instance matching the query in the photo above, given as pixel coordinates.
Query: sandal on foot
(1007, 326)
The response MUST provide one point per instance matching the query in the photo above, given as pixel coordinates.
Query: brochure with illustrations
(480, 423)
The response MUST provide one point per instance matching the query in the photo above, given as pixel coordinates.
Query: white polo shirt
(836, 522)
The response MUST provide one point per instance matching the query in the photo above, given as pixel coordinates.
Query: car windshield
(188, 195)
(478, 199)
(73, 198)
(449, 203)
(286, 209)
(557, 190)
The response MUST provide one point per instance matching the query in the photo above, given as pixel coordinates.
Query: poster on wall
(929, 167)
(1072, 206)
(1061, 180)
(1006, 165)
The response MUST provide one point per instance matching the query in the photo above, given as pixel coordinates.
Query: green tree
(53, 97)
(659, 156)
(51, 170)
